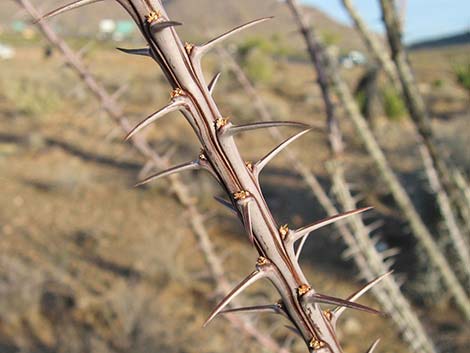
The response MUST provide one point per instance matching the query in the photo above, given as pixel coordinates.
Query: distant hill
(452, 40)
(200, 16)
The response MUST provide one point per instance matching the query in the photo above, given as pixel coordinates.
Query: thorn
(71, 6)
(389, 263)
(338, 311)
(148, 166)
(139, 51)
(305, 231)
(193, 165)
(158, 26)
(375, 225)
(258, 167)
(270, 308)
(245, 211)
(326, 299)
(213, 82)
(293, 329)
(225, 203)
(358, 197)
(373, 346)
(201, 50)
(252, 278)
(236, 129)
(349, 253)
(300, 247)
(390, 252)
(175, 104)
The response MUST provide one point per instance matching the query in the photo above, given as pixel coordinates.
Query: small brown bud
(261, 261)
(153, 16)
(189, 47)
(315, 343)
(249, 165)
(303, 288)
(177, 92)
(284, 230)
(221, 122)
(202, 155)
(240, 195)
(328, 314)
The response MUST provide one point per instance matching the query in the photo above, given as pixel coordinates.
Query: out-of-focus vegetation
(462, 75)
(394, 106)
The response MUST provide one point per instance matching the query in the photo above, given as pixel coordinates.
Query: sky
(424, 18)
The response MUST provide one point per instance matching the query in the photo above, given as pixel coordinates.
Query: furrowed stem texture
(179, 189)
(400, 195)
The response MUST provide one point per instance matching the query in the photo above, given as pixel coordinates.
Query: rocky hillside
(199, 17)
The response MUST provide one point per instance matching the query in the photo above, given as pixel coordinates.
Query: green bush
(462, 75)
(394, 106)
(258, 66)
(438, 83)
(257, 43)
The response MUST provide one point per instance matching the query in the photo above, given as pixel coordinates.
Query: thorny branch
(181, 64)
(160, 162)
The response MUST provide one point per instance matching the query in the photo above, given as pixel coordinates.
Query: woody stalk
(219, 155)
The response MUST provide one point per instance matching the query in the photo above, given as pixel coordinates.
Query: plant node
(202, 155)
(221, 122)
(303, 289)
(177, 92)
(241, 195)
(189, 47)
(153, 16)
(315, 343)
(284, 230)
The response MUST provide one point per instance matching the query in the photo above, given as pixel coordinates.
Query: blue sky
(424, 18)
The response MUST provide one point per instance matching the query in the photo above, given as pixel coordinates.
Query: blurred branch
(442, 180)
(373, 44)
(400, 195)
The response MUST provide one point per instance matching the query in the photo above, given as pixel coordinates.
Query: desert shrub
(330, 38)
(258, 43)
(462, 75)
(438, 83)
(393, 104)
(258, 66)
